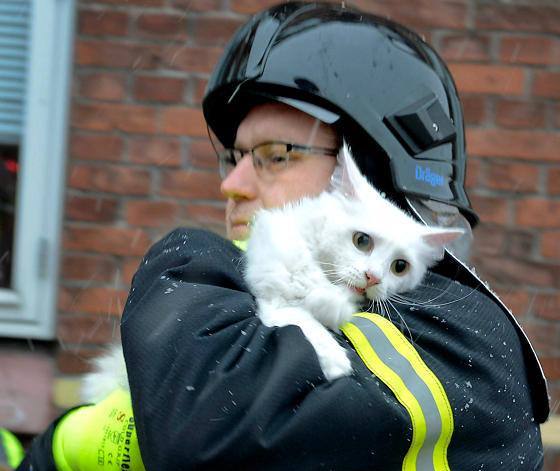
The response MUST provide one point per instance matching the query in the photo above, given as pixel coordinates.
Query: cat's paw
(335, 364)
(332, 307)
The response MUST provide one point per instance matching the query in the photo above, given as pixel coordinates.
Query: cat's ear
(440, 237)
(347, 178)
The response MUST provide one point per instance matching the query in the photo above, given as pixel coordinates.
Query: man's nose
(241, 181)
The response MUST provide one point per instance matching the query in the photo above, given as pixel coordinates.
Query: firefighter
(212, 388)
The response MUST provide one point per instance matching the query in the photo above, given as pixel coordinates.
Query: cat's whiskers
(421, 303)
(399, 299)
(402, 319)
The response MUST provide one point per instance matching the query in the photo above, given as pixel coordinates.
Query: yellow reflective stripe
(12, 450)
(405, 348)
(396, 384)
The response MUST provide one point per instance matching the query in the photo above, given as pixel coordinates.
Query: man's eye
(278, 159)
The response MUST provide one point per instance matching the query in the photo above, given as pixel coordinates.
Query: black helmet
(384, 88)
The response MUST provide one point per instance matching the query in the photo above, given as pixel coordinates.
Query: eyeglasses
(269, 158)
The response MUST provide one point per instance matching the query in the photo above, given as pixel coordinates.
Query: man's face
(247, 192)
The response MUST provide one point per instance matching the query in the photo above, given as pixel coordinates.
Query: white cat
(313, 263)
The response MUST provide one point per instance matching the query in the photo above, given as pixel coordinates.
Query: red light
(11, 166)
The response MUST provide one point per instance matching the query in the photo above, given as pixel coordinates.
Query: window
(36, 39)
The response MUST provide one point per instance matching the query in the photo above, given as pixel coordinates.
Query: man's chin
(238, 232)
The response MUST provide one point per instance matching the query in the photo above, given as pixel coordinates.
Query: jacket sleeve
(212, 388)
(39, 456)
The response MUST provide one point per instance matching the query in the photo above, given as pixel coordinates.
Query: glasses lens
(226, 163)
(270, 158)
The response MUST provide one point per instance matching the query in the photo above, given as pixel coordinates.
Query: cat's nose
(371, 279)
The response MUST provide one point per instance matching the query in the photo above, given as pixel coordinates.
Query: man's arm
(212, 388)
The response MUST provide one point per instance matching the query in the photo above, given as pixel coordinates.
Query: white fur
(302, 263)
(109, 374)
(302, 266)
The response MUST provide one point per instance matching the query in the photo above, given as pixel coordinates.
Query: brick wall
(140, 163)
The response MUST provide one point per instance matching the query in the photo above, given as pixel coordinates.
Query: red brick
(512, 176)
(86, 208)
(202, 154)
(111, 179)
(96, 147)
(551, 458)
(207, 217)
(191, 59)
(490, 209)
(423, 14)
(520, 244)
(128, 269)
(88, 268)
(155, 151)
(183, 121)
(191, 185)
(87, 329)
(198, 5)
(106, 239)
(518, 301)
(152, 213)
(215, 31)
(538, 212)
(474, 171)
(510, 272)
(520, 114)
(554, 181)
(537, 18)
(497, 79)
(199, 88)
(550, 244)
(489, 239)
(159, 89)
(113, 117)
(76, 360)
(516, 144)
(102, 23)
(92, 300)
(534, 50)
(117, 54)
(145, 3)
(103, 86)
(545, 337)
(165, 26)
(206, 213)
(465, 47)
(551, 367)
(547, 306)
(250, 6)
(474, 108)
(547, 84)
(26, 389)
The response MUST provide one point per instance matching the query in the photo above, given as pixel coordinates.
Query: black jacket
(214, 389)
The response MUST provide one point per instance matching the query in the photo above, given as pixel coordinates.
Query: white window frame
(28, 309)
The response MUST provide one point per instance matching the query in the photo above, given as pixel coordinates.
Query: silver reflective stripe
(402, 367)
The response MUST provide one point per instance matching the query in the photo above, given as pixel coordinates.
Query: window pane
(8, 181)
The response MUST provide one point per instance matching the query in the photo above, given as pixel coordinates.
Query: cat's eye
(362, 241)
(399, 267)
